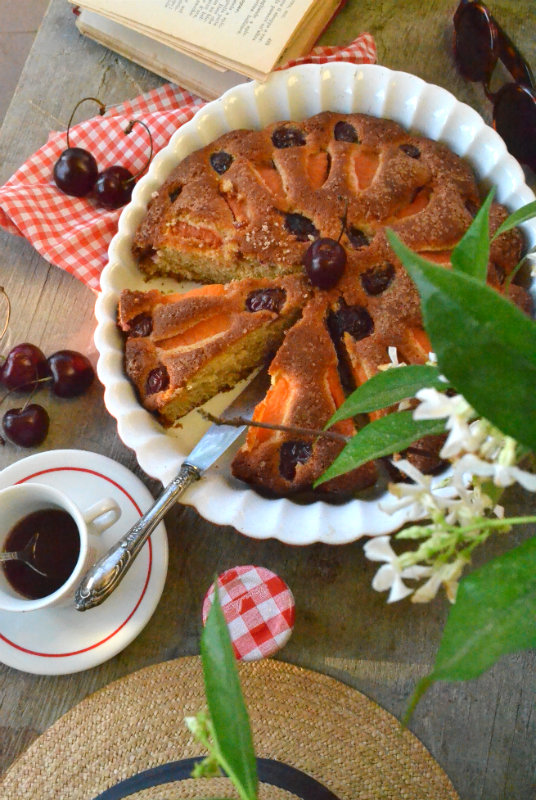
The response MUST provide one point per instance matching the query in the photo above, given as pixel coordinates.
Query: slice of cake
(306, 391)
(182, 349)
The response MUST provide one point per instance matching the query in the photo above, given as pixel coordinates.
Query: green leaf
(494, 614)
(471, 254)
(228, 713)
(521, 215)
(386, 435)
(485, 346)
(388, 387)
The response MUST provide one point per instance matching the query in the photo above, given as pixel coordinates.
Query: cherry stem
(102, 109)
(127, 130)
(30, 396)
(237, 422)
(8, 314)
(35, 387)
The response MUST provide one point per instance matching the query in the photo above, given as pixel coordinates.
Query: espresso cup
(17, 503)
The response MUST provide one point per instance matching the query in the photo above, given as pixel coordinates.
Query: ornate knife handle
(105, 575)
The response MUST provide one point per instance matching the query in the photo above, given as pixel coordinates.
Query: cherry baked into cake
(240, 217)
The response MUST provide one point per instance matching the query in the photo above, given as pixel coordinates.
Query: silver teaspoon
(26, 555)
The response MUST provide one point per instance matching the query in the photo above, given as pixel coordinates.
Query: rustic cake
(239, 216)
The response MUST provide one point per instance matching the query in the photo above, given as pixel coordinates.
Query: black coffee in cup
(56, 552)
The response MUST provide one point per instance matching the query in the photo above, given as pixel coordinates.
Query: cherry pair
(76, 172)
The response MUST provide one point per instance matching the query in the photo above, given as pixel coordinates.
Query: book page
(253, 32)
(173, 65)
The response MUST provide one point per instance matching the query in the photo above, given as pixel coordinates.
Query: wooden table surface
(483, 733)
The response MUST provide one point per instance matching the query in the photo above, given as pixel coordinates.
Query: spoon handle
(105, 575)
(11, 555)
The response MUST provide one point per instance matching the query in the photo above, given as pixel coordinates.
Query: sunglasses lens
(514, 119)
(474, 43)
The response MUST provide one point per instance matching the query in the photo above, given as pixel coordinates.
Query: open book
(207, 46)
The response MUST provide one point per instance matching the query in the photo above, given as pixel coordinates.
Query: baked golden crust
(247, 207)
(224, 211)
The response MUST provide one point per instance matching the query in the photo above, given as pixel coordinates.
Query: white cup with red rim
(30, 505)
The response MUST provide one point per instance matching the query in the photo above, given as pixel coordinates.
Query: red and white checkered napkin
(259, 610)
(73, 233)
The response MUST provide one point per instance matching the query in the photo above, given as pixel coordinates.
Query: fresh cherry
(324, 261)
(71, 372)
(75, 171)
(114, 185)
(24, 366)
(27, 426)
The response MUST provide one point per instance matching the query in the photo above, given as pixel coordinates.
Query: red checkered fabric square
(259, 610)
(73, 233)
(361, 51)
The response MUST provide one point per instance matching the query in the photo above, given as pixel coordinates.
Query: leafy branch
(389, 434)
(486, 351)
(488, 619)
(225, 731)
(485, 345)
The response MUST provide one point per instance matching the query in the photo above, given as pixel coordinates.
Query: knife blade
(106, 574)
(218, 438)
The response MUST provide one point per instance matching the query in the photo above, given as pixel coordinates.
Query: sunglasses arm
(513, 60)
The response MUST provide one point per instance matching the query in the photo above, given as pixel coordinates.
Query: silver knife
(105, 575)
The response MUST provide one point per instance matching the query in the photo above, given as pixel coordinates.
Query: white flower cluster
(461, 510)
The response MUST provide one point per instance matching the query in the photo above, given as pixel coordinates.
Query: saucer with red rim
(63, 640)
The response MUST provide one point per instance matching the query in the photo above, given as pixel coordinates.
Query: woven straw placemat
(305, 719)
